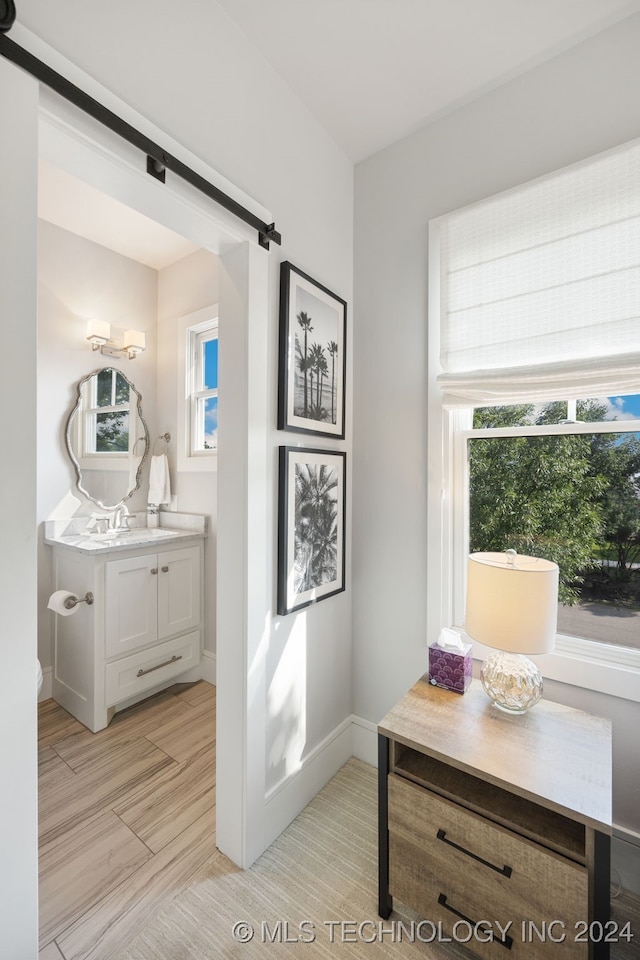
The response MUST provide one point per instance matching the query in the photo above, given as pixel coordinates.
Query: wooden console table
(497, 818)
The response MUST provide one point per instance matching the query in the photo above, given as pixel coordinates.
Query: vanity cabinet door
(178, 591)
(131, 607)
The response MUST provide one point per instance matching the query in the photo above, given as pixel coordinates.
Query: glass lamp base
(512, 681)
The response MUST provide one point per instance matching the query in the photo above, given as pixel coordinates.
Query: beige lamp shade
(512, 602)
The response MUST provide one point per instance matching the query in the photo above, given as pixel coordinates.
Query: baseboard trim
(364, 740)
(291, 794)
(208, 663)
(46, 690)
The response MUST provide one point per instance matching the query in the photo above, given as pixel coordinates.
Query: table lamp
(512, 605)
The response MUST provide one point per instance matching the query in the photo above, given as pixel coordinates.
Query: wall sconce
(134, 342)
(99, 336)
(98, 333)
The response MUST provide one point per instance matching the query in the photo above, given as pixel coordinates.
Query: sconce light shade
(98, 332)
(134, 342)
(99, 336)
(512, 604)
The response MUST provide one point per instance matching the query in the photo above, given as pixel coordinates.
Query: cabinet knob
(154, 569)
(165, 569)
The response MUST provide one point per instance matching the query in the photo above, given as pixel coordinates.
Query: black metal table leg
(385, 901)
(601, 902)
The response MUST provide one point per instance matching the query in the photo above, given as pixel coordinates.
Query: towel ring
(166, 437)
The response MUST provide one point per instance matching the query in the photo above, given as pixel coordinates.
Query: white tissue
(450, 639)
(56, 603)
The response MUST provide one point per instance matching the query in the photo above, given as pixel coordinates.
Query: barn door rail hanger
(158, 160)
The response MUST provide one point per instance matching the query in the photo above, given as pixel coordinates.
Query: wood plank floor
(126, 817)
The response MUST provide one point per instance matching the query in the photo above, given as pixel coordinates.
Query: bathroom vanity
(144, 627)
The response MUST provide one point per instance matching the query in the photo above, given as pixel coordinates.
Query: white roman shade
(540, 287)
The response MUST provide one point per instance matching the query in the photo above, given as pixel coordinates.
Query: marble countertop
(173, 528)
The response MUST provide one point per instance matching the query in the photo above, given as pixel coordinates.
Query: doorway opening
(204, 239)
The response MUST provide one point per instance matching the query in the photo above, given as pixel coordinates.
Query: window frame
(584, 663)
(198, 336)
(193, 330)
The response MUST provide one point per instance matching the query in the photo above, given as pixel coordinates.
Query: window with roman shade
(540, 287)
(534, 299)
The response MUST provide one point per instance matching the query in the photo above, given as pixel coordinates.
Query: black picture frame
(312, 356)
(311, 526)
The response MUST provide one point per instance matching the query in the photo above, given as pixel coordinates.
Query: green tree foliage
(615, 464)
(534, 494)
(622, 526)
(616, 458)
(564, 498)
(112, 432)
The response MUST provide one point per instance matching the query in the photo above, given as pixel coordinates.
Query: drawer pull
(504, 871)
(165, 569)
(154, 570)
(506, 941)
(173, 659)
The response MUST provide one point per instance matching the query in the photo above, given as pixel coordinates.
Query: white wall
(184, 287)
(18, 755)
(78, 279)
(582, 102)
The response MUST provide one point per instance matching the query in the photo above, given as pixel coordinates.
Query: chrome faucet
(120, 518)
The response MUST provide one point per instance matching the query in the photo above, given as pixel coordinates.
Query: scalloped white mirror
(107, 437)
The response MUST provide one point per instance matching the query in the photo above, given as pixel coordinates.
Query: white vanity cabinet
(150, 598)
(143, 629)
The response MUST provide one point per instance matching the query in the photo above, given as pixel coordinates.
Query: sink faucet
(120, 518)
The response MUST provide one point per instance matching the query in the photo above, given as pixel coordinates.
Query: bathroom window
(198, 399)
(204, 392)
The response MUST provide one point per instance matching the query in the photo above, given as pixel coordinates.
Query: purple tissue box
(450, 668)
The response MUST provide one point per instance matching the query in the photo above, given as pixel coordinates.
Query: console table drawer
(505, 874)
(454, 903)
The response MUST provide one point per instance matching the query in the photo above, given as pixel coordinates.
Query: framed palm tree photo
(312, 356)
(311, 524)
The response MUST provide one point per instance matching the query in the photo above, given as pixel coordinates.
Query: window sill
(582, 663)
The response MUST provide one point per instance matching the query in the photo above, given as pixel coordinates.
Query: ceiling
(374, 71)
(370, 71)
(75, 206)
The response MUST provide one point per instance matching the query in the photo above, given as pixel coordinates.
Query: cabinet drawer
(129, 676)
(484, 870)
(452, 909)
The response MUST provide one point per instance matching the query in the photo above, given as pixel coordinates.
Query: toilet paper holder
(71, 602)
